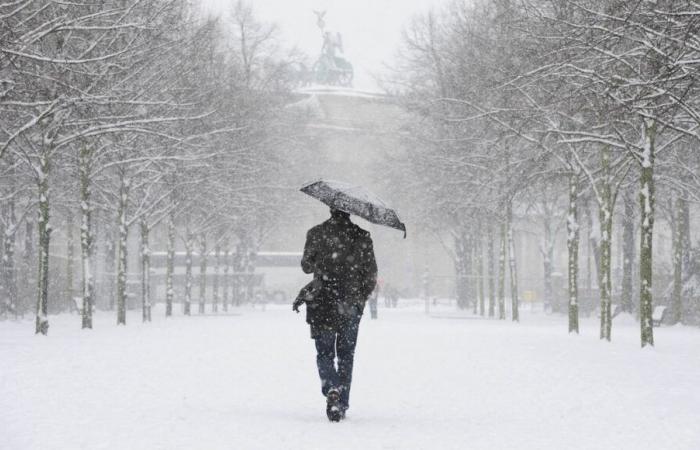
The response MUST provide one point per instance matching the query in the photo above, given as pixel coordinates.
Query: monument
(331, 67)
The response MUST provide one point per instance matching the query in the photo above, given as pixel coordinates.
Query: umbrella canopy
(354, 200)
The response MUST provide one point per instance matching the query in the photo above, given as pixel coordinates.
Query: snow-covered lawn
(249, 381)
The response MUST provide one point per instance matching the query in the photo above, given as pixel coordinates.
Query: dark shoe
(333, 409)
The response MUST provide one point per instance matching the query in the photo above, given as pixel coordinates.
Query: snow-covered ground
(248, 380)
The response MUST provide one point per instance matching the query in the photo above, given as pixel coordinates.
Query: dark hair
(338, 214)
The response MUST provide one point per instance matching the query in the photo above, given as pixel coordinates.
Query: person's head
(338, 214)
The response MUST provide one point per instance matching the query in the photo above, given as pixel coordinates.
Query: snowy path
(248, 381)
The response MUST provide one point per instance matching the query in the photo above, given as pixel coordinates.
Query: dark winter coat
(341, 257)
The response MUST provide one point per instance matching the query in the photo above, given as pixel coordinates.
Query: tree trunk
(515, 312)
(468, 243)
(681, 257)
(593, 250)
(70, 256)
(5, 307)
(86, 239)
(572, 244)
(217, 273)
(189, 247)
(227, 269)
(42, 304)
(236, 280)
(28, 283)
(122, 251)
(9, 273)
(685, 236)
(145, 273)
(474, 274)
(502, 271)
(677, 259)
(461, 264)
(2, 249)
(202, 272)
(548, 262)
(605, 216)
(2, 257)
(628, 253)
(9, 277)
(473, 257)
(480, 270)
(170, 267)
(95, 250)
(646, 198)
(492, 276)
(110, 262)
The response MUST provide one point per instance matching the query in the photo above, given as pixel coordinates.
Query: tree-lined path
(448, 381)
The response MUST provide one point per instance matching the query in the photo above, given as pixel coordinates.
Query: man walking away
(341, 257)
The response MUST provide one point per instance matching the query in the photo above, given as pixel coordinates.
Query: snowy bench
(658, 315)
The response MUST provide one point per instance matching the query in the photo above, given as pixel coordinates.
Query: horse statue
(331, 68)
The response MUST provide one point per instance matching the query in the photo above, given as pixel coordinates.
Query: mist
(218, 216)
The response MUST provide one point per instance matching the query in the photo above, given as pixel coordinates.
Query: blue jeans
(337, 342)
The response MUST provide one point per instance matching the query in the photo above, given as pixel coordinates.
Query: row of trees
(522, 104)
(124, 114)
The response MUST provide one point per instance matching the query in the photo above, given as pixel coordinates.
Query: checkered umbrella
(354, 200)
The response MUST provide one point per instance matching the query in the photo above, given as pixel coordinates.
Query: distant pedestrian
(373, 299)
(387, 295)
(391, 296)
(394, 298)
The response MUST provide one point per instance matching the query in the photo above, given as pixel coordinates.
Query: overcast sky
(371, 29)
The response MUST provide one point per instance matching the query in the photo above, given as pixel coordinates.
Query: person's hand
(296, 305)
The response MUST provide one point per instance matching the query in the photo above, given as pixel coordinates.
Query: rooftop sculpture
(331, 68)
